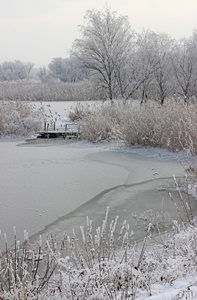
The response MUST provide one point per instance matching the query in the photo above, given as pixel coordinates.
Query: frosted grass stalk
(82, 233)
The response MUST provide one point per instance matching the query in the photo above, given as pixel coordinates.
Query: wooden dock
(67, 133)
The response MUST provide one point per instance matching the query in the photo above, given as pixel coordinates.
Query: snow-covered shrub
(171, 125)
(100, 264)
(174, 258)
(18, 118)
(108, 265)
(97, 129)
(153, 221)
(79, 112)
(100, 123)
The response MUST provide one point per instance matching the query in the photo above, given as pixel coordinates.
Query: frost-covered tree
(163, 45)
(137, 73)
(104, 47)
(15, 70)
(147, 63)
(64, 69)
(193, 43)
(184, 64)
(42, 74)
(58, 68)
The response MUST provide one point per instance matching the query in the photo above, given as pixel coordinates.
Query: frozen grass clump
(18, 118)
(105, 263)
(172, 125)
(153, 221)
(25, 271)
(101, 122)
(79, 112)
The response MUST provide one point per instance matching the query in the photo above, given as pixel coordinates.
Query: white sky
(39, 30)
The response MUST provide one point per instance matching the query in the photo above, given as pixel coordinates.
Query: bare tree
(142, 63)
(42, 74)
(104, 48)
(184, 64)
(148, 62)
(163, 45)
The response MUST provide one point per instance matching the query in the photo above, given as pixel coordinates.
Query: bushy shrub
(18, 118)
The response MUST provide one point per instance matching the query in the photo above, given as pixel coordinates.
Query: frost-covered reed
(172, 125)
(102, 264)
(53, 91)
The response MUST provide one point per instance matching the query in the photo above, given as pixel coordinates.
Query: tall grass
(53, 91)
(172, 125)
(23, 275)
(101, 264)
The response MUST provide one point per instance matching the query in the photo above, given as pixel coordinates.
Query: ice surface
(53, 185)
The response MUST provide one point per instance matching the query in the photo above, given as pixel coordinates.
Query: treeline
(128, 64)
(59, 69)
(117, 61)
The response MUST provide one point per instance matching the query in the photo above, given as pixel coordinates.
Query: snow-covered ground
(183, 288)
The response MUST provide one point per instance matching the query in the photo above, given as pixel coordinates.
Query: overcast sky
(39, 30)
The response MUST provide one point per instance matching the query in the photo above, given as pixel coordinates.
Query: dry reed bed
(172, 125)
(53, 91)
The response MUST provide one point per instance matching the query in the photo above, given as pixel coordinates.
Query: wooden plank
(56, 134)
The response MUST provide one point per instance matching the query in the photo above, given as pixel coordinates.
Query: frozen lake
(51, 186)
